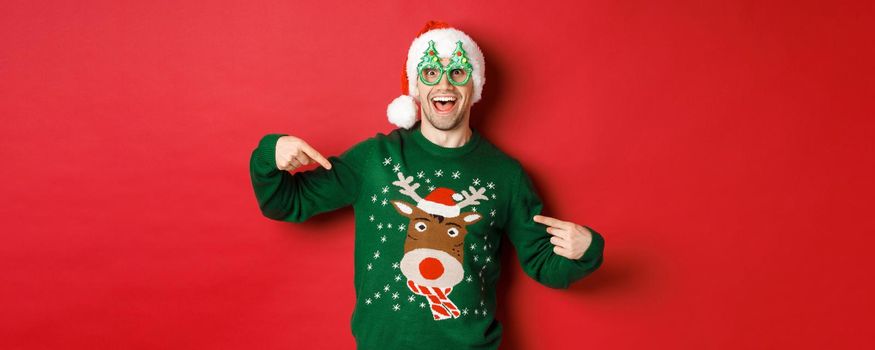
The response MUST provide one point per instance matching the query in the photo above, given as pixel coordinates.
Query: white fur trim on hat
(402, 111)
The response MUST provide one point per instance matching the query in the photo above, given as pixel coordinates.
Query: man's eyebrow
(454, 224)
(422, 218)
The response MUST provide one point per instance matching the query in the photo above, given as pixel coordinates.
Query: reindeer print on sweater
(434, 211)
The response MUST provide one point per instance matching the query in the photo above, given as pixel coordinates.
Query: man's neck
(457, 137)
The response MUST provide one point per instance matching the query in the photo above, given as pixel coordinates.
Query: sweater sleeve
(532, 242)
(296, 197)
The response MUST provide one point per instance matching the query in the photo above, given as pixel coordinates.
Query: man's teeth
(444, 99)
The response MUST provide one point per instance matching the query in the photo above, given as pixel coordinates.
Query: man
(432, 199)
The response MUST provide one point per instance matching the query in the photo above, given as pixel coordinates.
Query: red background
(723, 148)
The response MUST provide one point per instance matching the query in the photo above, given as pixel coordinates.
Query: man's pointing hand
(569, 239)
(292, 152)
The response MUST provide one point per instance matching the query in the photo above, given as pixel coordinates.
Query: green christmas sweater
(428, 222)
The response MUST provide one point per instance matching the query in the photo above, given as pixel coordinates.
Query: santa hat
(403, 110)
(441, 201)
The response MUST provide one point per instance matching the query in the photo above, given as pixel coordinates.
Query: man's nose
(444, 83)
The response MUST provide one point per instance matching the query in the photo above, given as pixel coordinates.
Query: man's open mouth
(443, 104)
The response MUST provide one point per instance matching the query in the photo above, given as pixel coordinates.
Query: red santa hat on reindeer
(404, 109)
(441, 201)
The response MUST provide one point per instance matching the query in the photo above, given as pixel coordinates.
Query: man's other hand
(569, 239)
(292, 152)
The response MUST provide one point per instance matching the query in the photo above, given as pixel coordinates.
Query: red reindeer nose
(431, 268)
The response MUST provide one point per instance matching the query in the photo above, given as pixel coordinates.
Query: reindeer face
(435, 244)
(435, 231)
(434, 247)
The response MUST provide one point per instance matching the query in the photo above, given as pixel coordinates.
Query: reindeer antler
(407, 186)
(472, 198)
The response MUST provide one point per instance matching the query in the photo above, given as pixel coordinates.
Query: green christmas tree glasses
(431, 71)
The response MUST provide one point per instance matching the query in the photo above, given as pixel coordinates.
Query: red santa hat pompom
(404, 109)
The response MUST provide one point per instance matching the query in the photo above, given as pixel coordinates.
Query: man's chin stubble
(443, 124)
